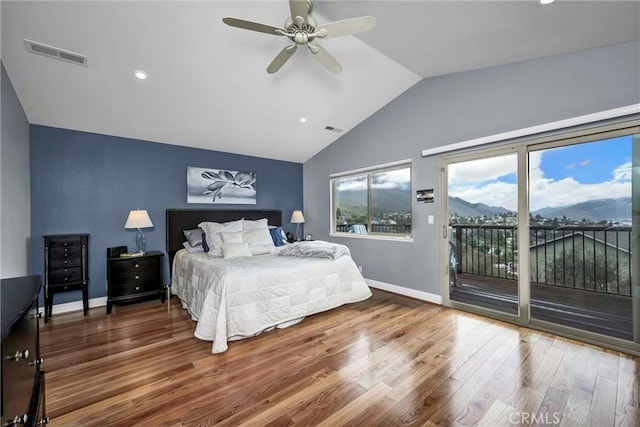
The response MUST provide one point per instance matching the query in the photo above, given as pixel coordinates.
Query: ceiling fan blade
(349, 26)
(281, 58)
(253, 26)
(299, 8)
(328, 61)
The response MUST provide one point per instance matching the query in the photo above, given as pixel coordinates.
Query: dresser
(22, 378)
(66, 268)
(134, 278)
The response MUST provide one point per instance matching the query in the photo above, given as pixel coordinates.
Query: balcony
(580, 276)
(377, 228)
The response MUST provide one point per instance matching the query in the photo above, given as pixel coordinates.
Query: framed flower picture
(220, 186)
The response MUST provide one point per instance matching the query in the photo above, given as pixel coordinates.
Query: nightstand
(134, 278)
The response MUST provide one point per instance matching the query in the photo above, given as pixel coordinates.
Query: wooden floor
(386, 361)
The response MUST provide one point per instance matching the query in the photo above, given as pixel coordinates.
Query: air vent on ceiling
(333, 129)
(55, 52)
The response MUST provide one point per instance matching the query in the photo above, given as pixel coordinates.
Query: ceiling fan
(303, 30)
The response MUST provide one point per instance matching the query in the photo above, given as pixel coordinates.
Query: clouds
(394, 179)
(492, 181)
(482, 170)
(583, 163)
(550, 192)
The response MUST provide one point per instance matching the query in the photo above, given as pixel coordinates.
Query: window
(375, 201)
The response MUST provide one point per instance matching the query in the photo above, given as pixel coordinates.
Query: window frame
(368, 172)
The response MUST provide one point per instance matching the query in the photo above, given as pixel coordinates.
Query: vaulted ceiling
(207, 86)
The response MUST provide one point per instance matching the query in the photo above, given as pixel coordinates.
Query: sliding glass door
(482, 232)
(547, 233)
(581, 230)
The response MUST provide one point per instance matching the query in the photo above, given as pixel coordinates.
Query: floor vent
(55, 52)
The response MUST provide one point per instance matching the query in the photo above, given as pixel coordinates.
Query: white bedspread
(241, 297)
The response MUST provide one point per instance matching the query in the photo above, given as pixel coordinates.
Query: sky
(398, 178)
(558, 177)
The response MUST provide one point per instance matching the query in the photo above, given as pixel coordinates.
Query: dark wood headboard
(187, 219)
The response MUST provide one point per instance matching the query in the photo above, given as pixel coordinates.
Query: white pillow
(235, 250)
(212, 232)
(257, 237)
(259, 241)
(255, 225)
(231, 237)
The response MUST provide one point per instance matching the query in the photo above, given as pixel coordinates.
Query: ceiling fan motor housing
(301, 35)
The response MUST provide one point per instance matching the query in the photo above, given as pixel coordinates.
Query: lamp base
(298, 232)
(141, 242)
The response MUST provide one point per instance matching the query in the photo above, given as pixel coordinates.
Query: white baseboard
(76, 305)
(401, 290)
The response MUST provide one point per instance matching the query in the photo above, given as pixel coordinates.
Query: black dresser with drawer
(66, 268)
(22, 377)
(134, 278)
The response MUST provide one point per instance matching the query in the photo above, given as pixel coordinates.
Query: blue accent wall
(87, 183)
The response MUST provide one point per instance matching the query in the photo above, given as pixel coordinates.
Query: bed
(240, 297)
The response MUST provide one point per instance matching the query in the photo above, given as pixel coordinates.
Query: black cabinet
(66, 268)
(134, 278)
(22, 377)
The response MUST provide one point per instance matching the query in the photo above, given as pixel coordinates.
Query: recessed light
(141, 75)
(545, 2)
(303, 119)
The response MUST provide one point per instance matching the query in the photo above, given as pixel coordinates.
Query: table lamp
(139, 219)
(297, 218)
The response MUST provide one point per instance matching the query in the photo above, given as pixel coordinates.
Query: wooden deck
(605, 314)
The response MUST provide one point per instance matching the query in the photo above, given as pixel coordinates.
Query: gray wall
(447, 109)
(15, 192)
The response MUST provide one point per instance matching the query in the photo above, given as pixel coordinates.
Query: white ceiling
(207, 85)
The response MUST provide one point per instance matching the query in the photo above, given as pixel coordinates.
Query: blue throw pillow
(276, 236)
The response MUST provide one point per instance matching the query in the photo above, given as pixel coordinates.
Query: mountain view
(353, 203)
(615, 210)
(463, 208)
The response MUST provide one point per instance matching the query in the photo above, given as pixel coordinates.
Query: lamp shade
(297, 217)
(138, 219)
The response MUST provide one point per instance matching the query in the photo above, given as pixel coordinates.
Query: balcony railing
(378, 228)
(591, 258)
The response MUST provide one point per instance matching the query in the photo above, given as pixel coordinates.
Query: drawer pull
(137, 277)
(137, 266)
(18, 419)
(38, 361)
(137, 288)
(19, 355)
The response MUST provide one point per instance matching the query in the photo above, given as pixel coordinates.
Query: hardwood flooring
(389, 360)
